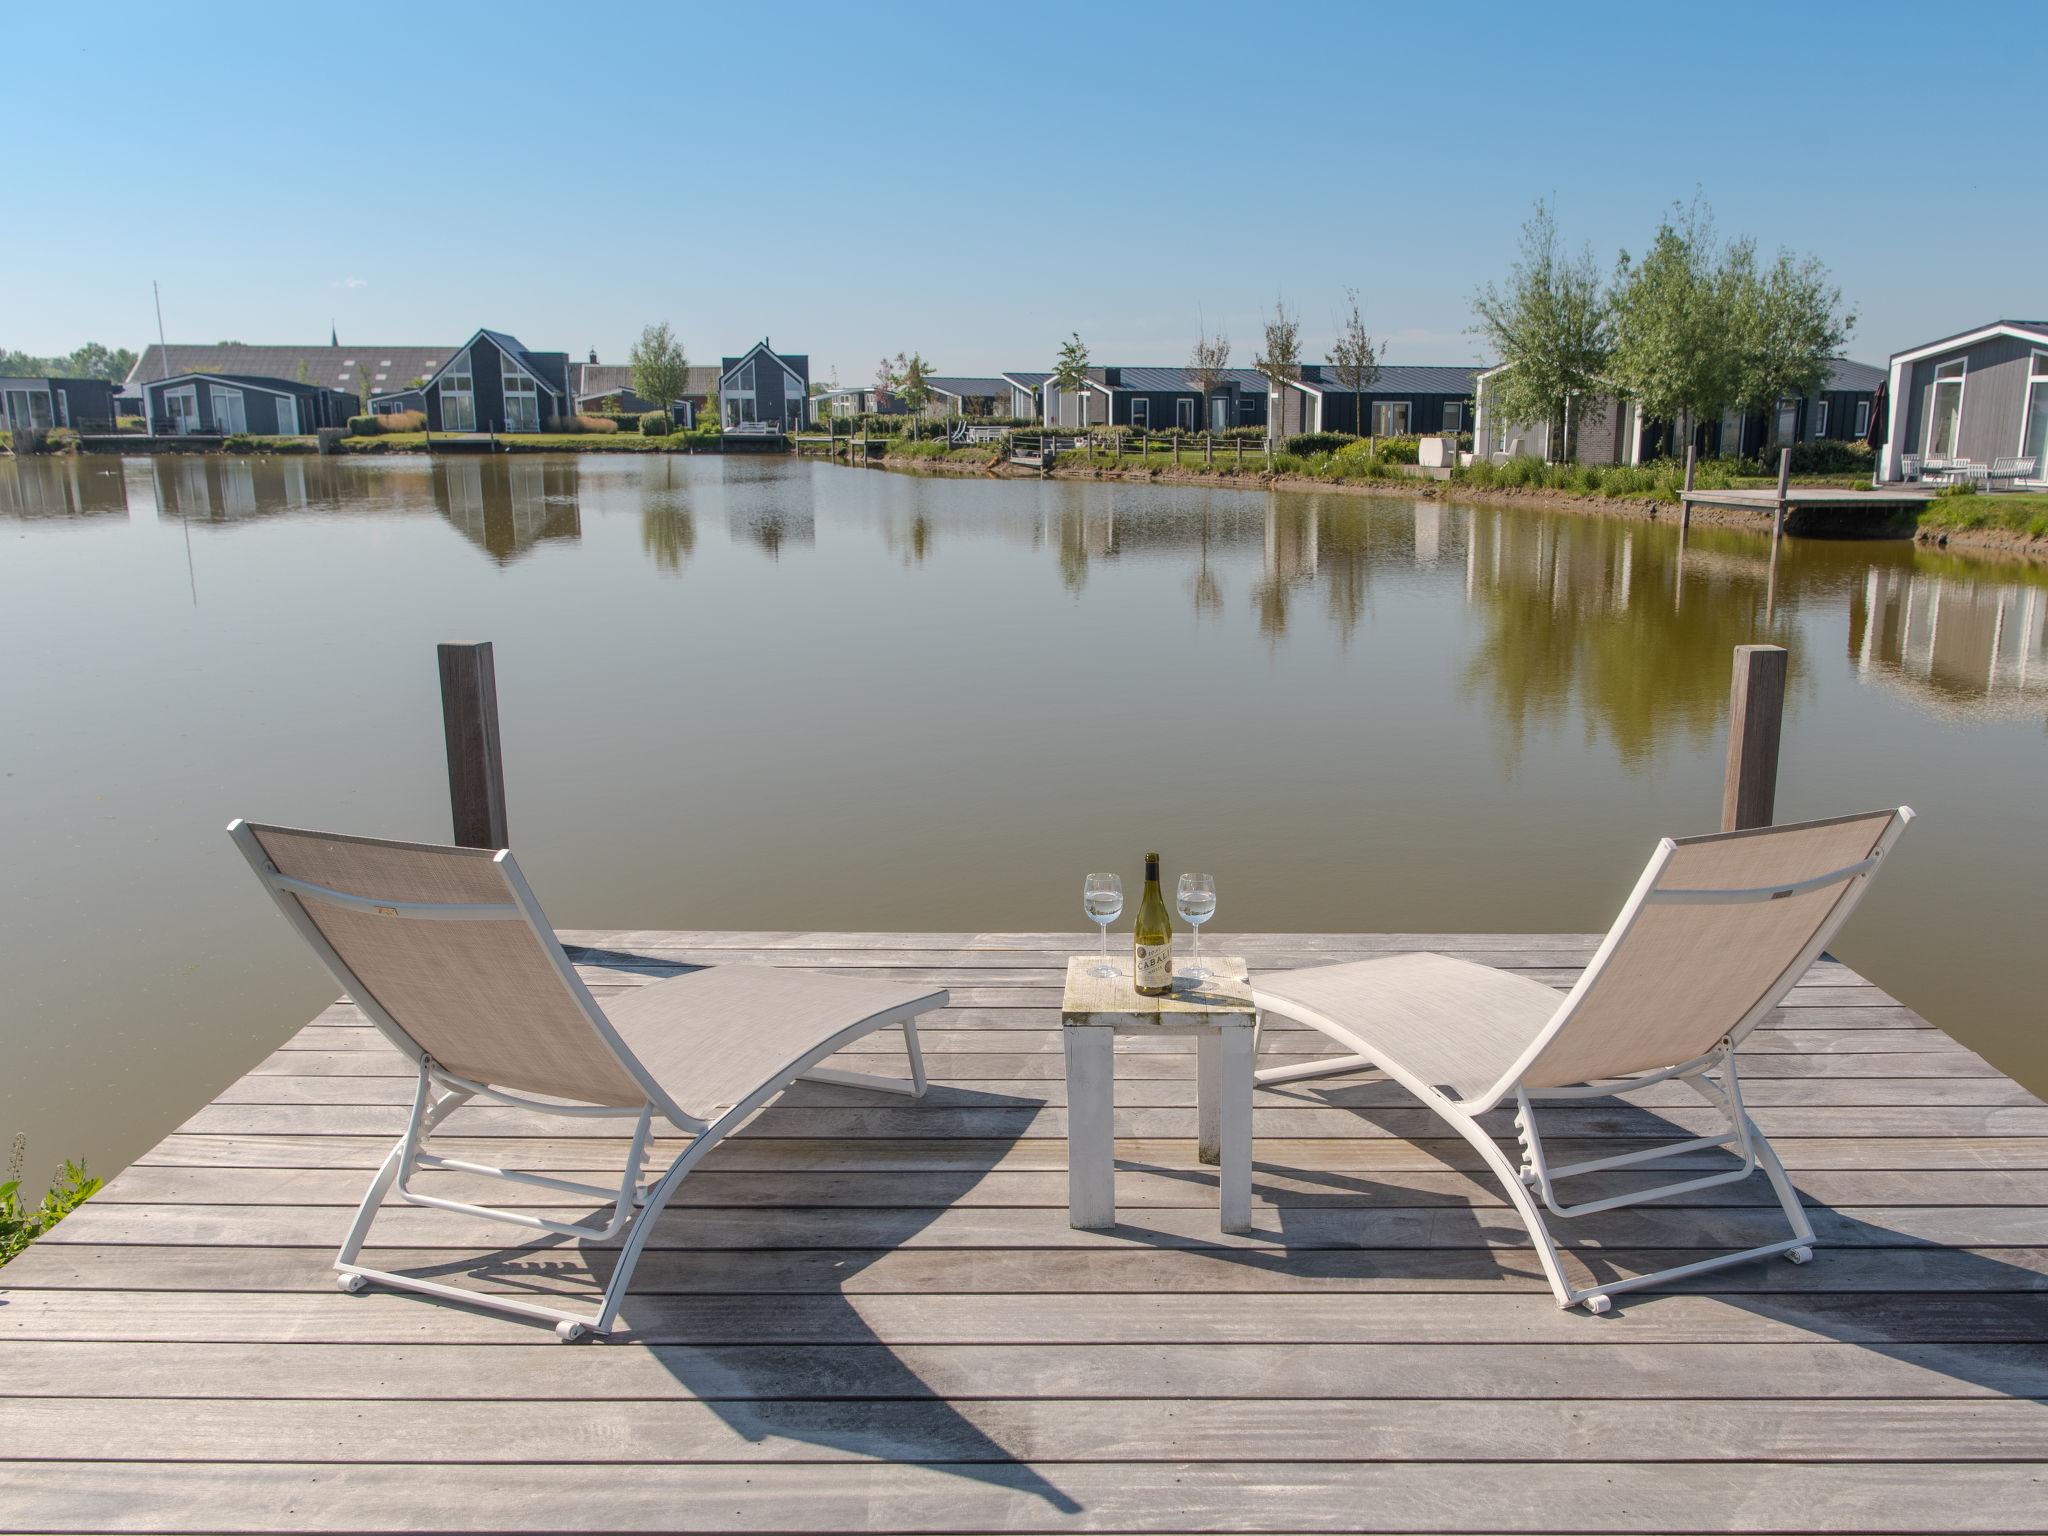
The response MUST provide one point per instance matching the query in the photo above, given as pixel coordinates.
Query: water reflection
(767, 506)
(1968, 645)
(63, 487)
(507, 503)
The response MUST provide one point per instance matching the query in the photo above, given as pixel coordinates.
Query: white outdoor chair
(1714, 936)
(1910, 466)
(451, 957)
(2012, 470)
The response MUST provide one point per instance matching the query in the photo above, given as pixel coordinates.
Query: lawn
(2020, 511)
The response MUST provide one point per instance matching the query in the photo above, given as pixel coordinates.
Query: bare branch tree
(1207, 365)
(1357, 358)
(1279, 361)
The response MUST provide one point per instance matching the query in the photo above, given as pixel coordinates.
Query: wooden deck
(1888, 502)
(869, 1315)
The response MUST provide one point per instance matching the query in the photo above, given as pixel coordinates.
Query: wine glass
(1102, 898)
(1196, 899)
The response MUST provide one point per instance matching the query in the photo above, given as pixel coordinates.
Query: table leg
(1207, 1094)
(1234, 1126)
(1091, 1125)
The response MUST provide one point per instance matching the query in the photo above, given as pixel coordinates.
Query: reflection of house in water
(767, 506)
(63, 487)
(507, 503)
(233, 489)
(1971, 644)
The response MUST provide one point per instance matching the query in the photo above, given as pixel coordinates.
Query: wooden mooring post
(476, 763)
(1784, 491)
(1756, 715)
(1685, 496)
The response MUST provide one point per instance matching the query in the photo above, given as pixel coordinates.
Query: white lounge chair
(449, 954)
(1715, 935)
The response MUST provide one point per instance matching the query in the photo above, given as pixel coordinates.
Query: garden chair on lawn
(449, 954)
(1714, 936)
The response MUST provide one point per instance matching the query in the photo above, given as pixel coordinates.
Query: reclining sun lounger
(1715, 935)
(449, 954)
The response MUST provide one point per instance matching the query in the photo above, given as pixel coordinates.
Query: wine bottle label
(1153, 970)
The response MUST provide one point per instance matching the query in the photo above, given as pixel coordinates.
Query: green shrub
(1958, 488)
(1828, 457)
(586, 424)
(21, 1225)
(656, 424)
(1399, 450)
(1303, 444)
(365, 426)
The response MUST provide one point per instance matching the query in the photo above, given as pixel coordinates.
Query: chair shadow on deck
(1941, 1307)
(819, 1374)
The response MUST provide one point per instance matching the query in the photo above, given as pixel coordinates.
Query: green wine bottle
(1152, 940)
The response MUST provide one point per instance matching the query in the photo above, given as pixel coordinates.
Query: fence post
(1756, 713)
(1209, 450)
(1240, 456)
(1784, 489)
(476, 765)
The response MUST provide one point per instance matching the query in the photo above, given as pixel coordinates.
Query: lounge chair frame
(438, 1092)
(1713, 1076)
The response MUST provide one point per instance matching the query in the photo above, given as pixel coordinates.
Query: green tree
(94, 361)
(1789, 326)
(1552, 322)
(1279, 361)
(1070, 376)
(913, 385)
(1677, 315)
(22, 365)
(661, 373)
(1357, 358)
(1206, 366)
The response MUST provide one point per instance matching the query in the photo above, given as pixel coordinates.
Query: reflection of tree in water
(668, 532)
(1344, 551)
(1208, 591)
(1082, 538)
(1579, 611)
(1293, 527)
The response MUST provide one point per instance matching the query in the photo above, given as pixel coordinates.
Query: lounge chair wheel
(569, 1333)
(1599, 1304)
(351, 1283)
(1800, 1255)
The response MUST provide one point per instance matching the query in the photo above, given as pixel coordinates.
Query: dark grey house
(208, 403)
(1027, 400)
(1839, 411)
(968, 395)
(84, 404)
(763, 387)
(1980, 395)
(1406, 400)
(595, 386)
(1149, 399)
(494, 383)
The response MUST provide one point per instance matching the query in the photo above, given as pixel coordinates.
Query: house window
(522, 400)
(2034, 430)
(1862, 419)
(458, 395)
(28, 408)
(1141, 415)
(1454, 415)
(1820, 419)
(1945, 411)
(1390, 418)
(228, 413)
(182, 407)
(1788, 420)
(1731, 433)
(745, 380)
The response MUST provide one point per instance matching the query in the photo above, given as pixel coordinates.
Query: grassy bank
(547, 442)
(2020, 512)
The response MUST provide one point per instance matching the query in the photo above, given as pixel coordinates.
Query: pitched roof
(267, 385)
(1406, 379)
(587, 381)
(390, 368)
(966, 384)
(1989, 328)
(1145, 379)
(1026, 380)
(1852, 377)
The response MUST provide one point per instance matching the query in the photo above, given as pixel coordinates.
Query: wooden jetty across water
(874, 1315)
(1837, 509)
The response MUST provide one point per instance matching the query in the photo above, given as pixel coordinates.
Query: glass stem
(1195, 941)
(1104, 930)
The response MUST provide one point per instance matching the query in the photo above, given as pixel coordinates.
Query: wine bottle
(1152, 940)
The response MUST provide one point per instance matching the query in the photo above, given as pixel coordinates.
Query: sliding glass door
(1945, 412)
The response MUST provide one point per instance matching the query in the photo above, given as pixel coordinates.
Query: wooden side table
(1217, 1010)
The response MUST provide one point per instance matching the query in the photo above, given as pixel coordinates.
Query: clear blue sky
(976, 180)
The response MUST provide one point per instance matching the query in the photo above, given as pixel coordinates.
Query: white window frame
(517, 381)
(217, 394)
(1382, 412)
(1862, 419)
(2037, 373)
(188, 394)
(1141, 413)
(1960, 378)
(1183, 415)
(458, 381)
(1818, 428)
(287, 403)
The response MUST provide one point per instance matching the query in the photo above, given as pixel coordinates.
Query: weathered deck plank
(865, 1316)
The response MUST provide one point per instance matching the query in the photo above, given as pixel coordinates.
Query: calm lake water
(751, 693)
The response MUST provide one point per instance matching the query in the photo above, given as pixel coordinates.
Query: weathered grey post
(1240, 456)
(1209, 450)
(1176, 450)
(1784, 489)
(1685, 497)
(1756, 712)
(476, 765)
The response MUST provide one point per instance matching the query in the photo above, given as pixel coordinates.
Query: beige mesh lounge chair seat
(451, 957)
(1717, 931)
